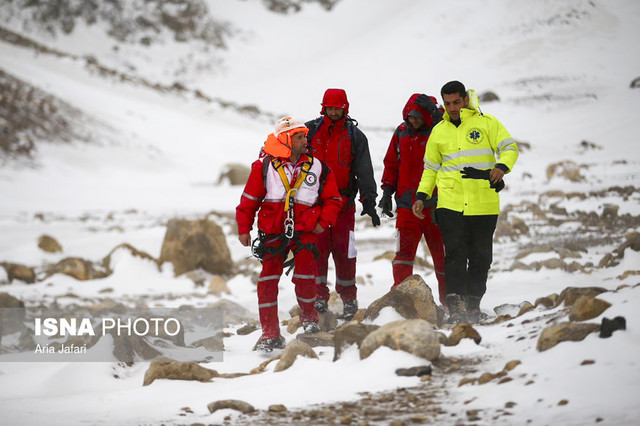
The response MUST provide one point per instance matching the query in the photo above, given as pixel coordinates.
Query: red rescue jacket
(316, 201)
(349, 159)
(404, 161)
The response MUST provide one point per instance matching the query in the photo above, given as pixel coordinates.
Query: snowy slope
(562, 71)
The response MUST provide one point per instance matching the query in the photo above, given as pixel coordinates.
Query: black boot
(474, 314)
(457, 309)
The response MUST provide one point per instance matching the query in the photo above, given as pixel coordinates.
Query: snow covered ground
(562, 71)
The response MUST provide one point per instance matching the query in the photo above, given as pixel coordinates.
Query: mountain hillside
(126, 124)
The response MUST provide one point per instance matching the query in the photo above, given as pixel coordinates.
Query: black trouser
(468, 247)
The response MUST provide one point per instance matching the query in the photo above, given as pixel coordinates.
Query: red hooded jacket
(404, 161)
(346, 155)
(317, 200)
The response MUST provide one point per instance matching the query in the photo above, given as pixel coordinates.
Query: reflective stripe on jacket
(477, 142)
(315, 202)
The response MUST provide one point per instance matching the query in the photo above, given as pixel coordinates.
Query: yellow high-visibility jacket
(477, 142)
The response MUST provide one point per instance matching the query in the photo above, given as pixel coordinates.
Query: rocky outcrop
(412, 299)
(563, 332)
(415, 336)
(190, 245)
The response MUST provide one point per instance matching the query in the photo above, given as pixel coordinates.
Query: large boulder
(586, 308)
(412, 299)
(415, 336)
(193, 244)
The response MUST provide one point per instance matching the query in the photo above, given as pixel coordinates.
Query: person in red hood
(335, 139)
(403, 166)
(296, 199)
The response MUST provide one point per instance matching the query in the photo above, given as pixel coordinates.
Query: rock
(412, 299)
(547, 301)
(488, 96)
(247, 329)
(419, 371)
(16, 271)
(415, 336)
(291, 352)
(277, 408)
(510, 309)
(609, 326)
(327, 321)
(586, 308)
(190, 245)
(293, 324)
(12, 314)
(233, 404)
(461, 331)
(218, 285)
(526, 307)
(125, 347)
(235, 174)
(231, 312)
(566, 331)
(570, 294)
(566, 169)
(75, 267)
(635, 83)
(49, 244)
(349, 333)
(212, 343)
(316, 339)
(174, 370)
(294, 311)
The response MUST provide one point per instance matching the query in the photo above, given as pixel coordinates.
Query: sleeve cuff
(421, 196)
(502, 167)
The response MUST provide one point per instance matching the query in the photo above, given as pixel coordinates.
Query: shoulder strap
(314, 126)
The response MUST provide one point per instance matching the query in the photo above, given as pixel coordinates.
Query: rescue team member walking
(297, 199)
(335, 139)
(403, 165)
(461, 160)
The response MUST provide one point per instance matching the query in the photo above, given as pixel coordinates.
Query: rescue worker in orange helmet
(296, 199)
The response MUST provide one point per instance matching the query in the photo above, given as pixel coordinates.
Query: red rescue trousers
(339, 241)
(304, 278)
(410, 231)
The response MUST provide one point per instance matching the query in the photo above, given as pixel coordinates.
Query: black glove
(498, 186)
(473, 173)
(425, 102)
(385, 202)
(369, 207)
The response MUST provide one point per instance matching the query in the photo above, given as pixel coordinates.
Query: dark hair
(453, 87)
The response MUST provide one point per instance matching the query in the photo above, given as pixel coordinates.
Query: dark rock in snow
(422, 370)
(174, 370)
(412, 299)
(608, 326)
